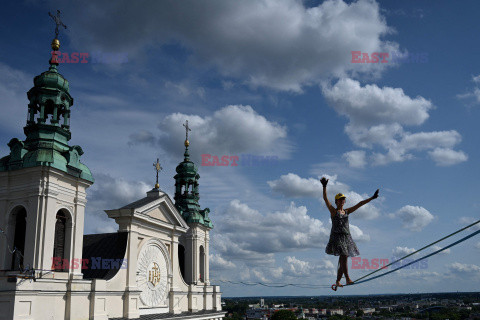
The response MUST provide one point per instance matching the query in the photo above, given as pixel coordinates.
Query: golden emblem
(154, 274)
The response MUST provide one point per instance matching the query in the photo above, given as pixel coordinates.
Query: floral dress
(341, 242)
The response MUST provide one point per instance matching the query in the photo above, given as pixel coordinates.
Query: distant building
(368, 310)
(332, 312)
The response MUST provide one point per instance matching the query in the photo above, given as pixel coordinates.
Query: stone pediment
(156, 208)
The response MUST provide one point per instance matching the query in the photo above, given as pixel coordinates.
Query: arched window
(181, 259)
(202, 264)
(59, 252)
(18, 224)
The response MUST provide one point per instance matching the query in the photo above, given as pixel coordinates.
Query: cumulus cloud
(111, 192)
(447, 157)
(299, 268)
(13, 88)
(377, 117)
(217, 262)
(468, 221)
(232, 130)
(463, 269)
(293, 186)
(435, 248)
(356, 158)
(282, 45)
(402, 251)
(474, 94)
(245, 234)
(414, 218)
(370, 105)
(358, 234)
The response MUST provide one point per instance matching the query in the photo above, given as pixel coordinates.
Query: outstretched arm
(325, 198)
(363, 202)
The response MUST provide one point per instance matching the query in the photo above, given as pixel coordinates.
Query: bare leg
(339, 272)
(345, 269)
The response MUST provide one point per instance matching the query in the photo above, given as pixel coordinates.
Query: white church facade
(156, 266)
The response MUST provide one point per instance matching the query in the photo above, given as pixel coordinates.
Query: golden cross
(187, 128)
(157, 169)
(58, 22)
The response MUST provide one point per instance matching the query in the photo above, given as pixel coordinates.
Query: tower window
(202, 264)
(18, 223)
(59, 242)
(181, 259)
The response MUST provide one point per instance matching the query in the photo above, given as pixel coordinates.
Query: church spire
(48, 124)
(186, 189)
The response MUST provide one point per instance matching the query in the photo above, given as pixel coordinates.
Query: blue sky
(275, 78)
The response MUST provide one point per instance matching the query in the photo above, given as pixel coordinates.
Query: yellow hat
(339, 196)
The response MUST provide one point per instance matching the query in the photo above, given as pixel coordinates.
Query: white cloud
(435, 248)
(370, 105)
(414, 218)
(13, 88)
(464, 269)
(477, 245)
(468, 221)
(278, 44)
(402, 251)
(356, 158)
(376, 118)
(357, 234)
(292, 185)
(474, 93)
(217, 262)
(447, 157)
(109, 193)
(245, 234)
(105, 229)
(299, 268)
(232, 130)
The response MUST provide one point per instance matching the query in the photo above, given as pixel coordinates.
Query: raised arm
(325, 198)
(363, 202)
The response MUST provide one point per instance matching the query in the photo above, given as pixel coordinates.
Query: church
(156, 266)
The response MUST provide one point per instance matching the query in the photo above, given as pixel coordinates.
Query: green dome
(187, 168)
(51, 79)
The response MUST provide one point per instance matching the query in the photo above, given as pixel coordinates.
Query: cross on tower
(157, 169)
(187, 128)
(58, 22)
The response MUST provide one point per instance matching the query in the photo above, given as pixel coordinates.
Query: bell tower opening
(181, 259)
(18, 224)
(59, 241)
(202, 264)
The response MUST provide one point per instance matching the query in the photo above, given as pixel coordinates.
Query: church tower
(193, 249)
(43, 184)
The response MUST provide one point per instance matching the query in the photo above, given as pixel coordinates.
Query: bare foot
(349, 281)
(338, 284)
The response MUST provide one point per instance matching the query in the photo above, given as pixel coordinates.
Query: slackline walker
(341, 243)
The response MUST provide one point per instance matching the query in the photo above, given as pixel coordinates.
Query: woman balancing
(341, 242)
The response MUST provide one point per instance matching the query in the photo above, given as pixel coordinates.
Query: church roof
(151, 196)
(104, 252)
(203, 314)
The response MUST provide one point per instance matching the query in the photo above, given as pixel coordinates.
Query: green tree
(284, 315)
(236, 316)
(360, 313)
